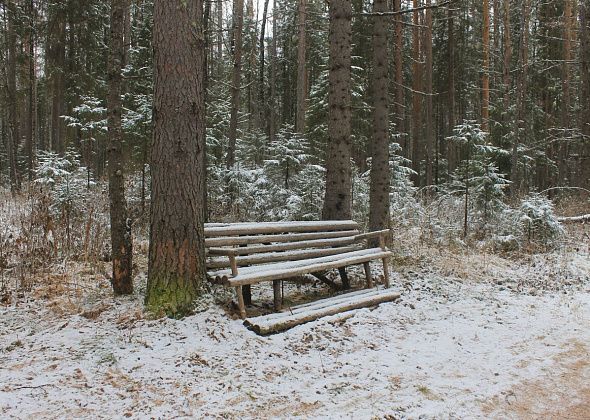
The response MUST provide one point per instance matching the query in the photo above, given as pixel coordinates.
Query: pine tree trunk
(32, 93)
(121, 241)
(521, 85)
(399, 108)
(452, 149)
(429, 126)
(566, 94)
(380, 174)
(57, 57)
(238, 19)
(301, 49)
(263, 110)
(219, 58)
(176, 255)
(416, 96)
(507, 56)
(585, 90)
(272, 126)
(13, 122)
(338, 201)
(485, 91)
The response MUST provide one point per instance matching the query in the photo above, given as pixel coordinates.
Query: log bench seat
(242, 254)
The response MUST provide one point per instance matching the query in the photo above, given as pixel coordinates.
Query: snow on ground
(463, 342)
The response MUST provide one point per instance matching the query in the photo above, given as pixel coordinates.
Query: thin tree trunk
(177, 255)
(219, 12)
(399, 78)
(238, 19)
(338, 201)
(32, 93)
(13, 122)
(263, 110)
(566, 94)
(380, 173)
(507, 56)
(272, 126)
(301, 49)
(485, 91)
(429, 132)
(416, 98)
(521, 86)
(121, 241)
(57, 55)
(452, 149)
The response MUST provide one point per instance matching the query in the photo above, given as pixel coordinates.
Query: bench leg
(247, 293)
(241, 305)
(278, 299)
(344, 277)
(368, 275)
(386, 272)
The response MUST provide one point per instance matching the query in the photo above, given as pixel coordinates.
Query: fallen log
(575, 219)
(274, 323)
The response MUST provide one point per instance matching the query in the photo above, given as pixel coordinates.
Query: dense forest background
(493, 95)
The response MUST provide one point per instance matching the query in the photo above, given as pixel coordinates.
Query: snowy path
(448, 349)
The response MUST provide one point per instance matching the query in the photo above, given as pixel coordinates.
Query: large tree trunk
(338, 201)
(301, 91)
(585, 90)
(177, 254)
(238, 19)
(416, 95)
(380, 176)
(121, 241)
(429, 126)
(485, 90)
(13, 122)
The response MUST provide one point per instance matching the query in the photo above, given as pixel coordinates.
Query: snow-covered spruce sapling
(477, 177)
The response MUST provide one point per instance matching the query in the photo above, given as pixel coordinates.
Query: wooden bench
(242, 254)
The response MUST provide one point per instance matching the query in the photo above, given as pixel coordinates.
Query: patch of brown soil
(563, 393)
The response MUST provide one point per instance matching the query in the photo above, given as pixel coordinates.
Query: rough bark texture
(585, 95)
(301, 91)
(485, 83)
(380, 176)
(235, 81)
(176, 254)
(338, 202)
(121, 242)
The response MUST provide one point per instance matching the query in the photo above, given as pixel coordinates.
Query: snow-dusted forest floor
(474, 336)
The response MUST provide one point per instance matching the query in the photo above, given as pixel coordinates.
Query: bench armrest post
(234, 265)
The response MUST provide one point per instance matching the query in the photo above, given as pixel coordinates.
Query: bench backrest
(266, 242)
